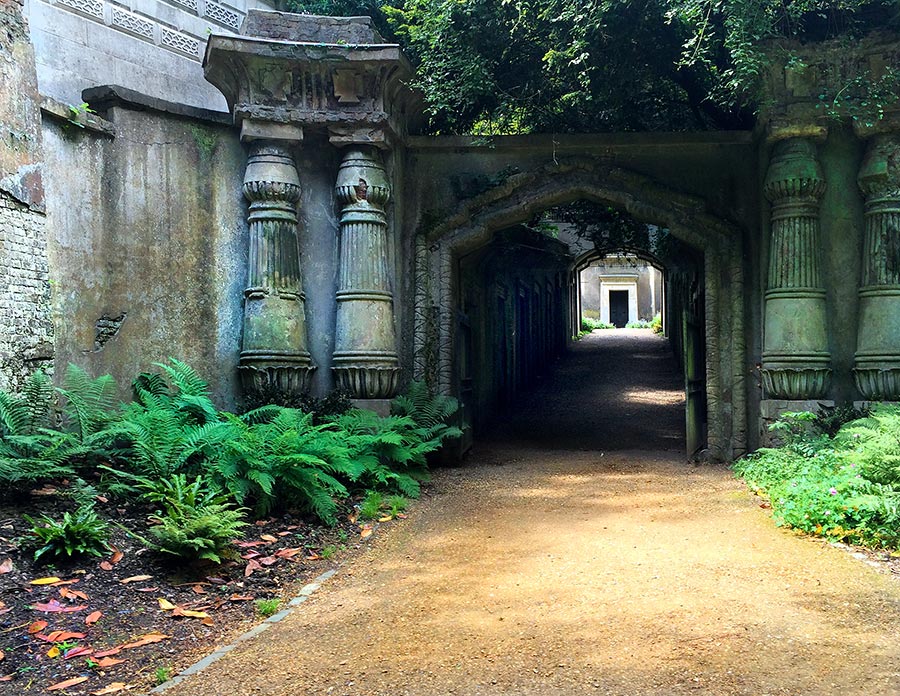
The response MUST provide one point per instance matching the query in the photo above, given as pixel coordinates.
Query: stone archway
(522, 195)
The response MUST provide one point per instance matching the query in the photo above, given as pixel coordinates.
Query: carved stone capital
(362, 180)
(794, 174)
(271, 176)
(879, 175)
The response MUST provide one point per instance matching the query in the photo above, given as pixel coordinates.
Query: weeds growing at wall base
(843, 486)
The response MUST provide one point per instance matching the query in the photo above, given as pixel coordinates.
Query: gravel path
(564, 563)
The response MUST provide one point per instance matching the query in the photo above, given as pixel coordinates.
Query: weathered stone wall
(149, 245)
(25, 323)
(154, 46)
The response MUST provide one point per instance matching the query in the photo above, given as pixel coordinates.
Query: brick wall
(26, 329)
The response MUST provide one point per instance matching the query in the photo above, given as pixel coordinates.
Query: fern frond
(185, 378)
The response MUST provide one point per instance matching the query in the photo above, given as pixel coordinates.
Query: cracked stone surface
(548, 567)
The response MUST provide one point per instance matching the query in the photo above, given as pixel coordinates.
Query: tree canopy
(518, 66)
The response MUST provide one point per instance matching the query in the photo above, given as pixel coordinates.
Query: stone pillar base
(380, 406)
(770, 410)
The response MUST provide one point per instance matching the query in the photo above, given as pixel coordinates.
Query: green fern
(87, 402)
(194, 522)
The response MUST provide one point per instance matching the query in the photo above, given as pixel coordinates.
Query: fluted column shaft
(796, 361)
(365, 356)
(877, 368)
(274, 354)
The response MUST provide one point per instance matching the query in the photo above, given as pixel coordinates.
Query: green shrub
(78, 533)
(267, 607)
(193, 521)
(656, 324)
(639, 324)
(588, 324)
(847, 487)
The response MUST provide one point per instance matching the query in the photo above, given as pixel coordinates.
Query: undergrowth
(836, 475)
(207, 469)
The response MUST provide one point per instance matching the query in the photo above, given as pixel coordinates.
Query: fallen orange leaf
(268, 560)
(61, 636)
(240, 598)
(146, 640)
(67, 683)
(116, 557)
(386, 518)
(105, 662)
(37, 627)
(105, 565)
(365, 532)
(207, 621)
(251, 566)
(2, 654)
(44, 581)
(107, 652)
(136, 578)
(165, 604)
(178, 611)
(6, 566)
(268, 537)
(93, 617)
(198, 589)
(146, 589)
(111, 689)
(8, 677)
(66, 593)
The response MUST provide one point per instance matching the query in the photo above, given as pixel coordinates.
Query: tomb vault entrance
(527, 293)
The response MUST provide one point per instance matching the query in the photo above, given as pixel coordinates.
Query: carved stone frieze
(877, 363)
(796, 361)
(365, 355)
(274, 354)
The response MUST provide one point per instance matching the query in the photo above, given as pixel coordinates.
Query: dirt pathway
(549, 571)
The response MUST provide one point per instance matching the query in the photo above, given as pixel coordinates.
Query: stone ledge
(106, 97)
(82, 119)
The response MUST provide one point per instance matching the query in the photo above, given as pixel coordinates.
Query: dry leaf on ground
(111, 689)
(67, 683)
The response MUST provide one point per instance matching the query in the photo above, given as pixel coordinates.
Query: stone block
(770, 410)
(380, 406)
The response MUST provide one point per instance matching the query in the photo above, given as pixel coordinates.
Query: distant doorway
(618, 308)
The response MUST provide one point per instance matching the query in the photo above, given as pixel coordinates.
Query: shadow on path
(613, 390)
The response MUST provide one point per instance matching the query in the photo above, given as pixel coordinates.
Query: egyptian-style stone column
(877, 370)
(365, 355)
(274, 354)
(796, 362)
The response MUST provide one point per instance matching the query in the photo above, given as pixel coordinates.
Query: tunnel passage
(441, 324)
(520, 306)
